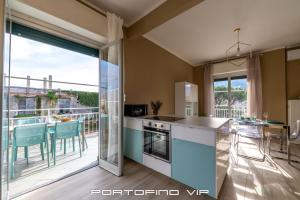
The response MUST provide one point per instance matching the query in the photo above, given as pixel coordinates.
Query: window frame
(227, 91)
(228, 77)
(50, 39)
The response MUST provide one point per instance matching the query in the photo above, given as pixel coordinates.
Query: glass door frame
(5, 172)
(10, 28)
(116, 170)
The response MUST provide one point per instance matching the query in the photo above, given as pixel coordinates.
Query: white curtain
(254, 93)
(208, 91)
(114, 36)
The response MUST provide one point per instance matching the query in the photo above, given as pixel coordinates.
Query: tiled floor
(37, 173)
(273, 179)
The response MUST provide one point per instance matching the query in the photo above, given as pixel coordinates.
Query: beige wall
(273, 83)
(198, 78)
(151, 72)
(293, 79)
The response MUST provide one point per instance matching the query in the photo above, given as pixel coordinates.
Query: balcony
(233, 112)
(36, 172)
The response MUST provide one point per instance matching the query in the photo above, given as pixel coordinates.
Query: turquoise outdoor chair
(29, 135)
(25, 121)
(65, 130)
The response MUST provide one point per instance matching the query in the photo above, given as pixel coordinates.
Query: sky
(39, 60)
(237, 83)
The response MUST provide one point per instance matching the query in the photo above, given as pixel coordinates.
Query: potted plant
(156, 105)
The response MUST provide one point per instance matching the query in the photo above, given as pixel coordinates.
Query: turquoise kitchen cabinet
(133, 144)
(194, 164)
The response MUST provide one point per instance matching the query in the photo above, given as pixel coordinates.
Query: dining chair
(26, 121)
(293, 139)
(278, 132)
(26, 136)
(65, 130)
(254, 133)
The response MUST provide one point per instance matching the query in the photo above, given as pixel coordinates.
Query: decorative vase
(156, 106)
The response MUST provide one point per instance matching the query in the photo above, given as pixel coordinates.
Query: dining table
(265, 124)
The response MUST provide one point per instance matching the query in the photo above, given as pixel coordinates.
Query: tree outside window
(230, 97)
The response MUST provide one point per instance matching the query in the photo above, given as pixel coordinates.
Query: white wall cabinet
(186, 99)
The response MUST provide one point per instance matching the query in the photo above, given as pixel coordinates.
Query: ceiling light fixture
(239, 46)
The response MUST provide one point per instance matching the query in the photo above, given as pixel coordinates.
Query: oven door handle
(158, 133)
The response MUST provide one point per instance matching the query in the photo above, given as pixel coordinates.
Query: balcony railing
(234, 112)
(90, 115)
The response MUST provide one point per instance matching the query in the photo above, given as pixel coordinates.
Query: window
(26, 103)
(230, 95)
(63, 105)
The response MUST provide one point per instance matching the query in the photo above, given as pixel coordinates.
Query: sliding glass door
(51, 80)
(111, 108)
(5, 42)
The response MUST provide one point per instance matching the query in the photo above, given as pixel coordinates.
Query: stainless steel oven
(157, 139)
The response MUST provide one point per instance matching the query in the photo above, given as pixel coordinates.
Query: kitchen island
(199, 151)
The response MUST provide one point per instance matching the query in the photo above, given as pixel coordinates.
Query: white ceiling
(205, 31)
(130, 10)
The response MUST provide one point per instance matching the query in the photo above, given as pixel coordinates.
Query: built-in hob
(164, 118)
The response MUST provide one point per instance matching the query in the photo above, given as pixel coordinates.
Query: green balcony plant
(52, 98)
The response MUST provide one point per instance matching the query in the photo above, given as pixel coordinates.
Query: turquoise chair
(29, 135)
(65, 130)
(25, 121)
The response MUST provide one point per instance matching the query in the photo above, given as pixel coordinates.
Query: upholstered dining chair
(293, 138)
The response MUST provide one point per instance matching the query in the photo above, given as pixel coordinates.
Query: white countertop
(203, 122)
(195, 122)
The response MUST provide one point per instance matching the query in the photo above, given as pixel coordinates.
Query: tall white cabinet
(186, 99)
(293, 111)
